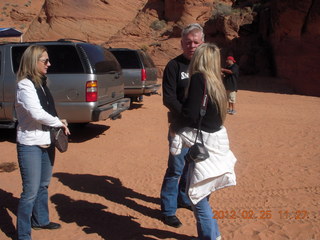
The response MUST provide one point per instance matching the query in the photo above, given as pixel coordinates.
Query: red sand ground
(107, 185)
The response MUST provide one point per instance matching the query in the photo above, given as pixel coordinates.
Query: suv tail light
(143, 75)
(91, 91)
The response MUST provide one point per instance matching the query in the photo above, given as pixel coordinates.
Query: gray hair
(191, 27)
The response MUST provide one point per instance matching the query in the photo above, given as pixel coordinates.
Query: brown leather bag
(59, 139)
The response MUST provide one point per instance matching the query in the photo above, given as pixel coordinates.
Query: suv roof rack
(40, 42)
(70, 39)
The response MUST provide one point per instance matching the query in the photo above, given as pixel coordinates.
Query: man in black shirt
(175, 82)
(231, 75)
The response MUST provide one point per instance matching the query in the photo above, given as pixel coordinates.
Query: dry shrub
(8, 166)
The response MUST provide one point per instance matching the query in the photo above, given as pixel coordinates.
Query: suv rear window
(147, 61)
(63, 59)
(127, 59)
(102, 61)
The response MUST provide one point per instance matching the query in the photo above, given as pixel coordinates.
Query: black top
(211, 122)
(175, 81)
(45, 97)
(230, 80)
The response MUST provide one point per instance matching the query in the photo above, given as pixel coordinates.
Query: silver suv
(138, 71)
(84, 80)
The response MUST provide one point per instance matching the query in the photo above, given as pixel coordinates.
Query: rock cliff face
(296, 43)
(267, 37)
(282, 40)
(93, 21)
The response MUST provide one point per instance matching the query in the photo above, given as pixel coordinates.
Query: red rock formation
(284, 36)
(22, 15)
(93, 21)
(296, 43)
(173, 10)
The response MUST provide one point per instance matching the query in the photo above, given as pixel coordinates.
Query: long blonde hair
(29, 62)
(206, 60)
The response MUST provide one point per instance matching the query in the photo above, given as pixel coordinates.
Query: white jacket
(31, 116)
(214, 173)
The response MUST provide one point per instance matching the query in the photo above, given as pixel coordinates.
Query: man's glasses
(45, 61)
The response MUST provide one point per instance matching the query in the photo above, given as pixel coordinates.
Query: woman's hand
(64, 121)
(65, 126)
(66, 130)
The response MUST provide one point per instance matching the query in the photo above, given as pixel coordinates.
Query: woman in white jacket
(36, 114)
(217, 171)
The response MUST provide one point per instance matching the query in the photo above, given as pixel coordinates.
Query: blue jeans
(36, 170)
(174, 184)
(207, 226)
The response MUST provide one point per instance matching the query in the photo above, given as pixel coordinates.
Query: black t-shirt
(211, 122)
(230, 80)
(174, 84)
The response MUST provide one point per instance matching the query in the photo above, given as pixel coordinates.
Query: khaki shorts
(231, 96)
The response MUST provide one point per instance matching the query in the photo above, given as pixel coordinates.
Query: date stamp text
(260, 214)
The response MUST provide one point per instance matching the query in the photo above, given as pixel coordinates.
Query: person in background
(231, 75)
(175, 81)
(217, 171)
(36, 113)
(140, 98)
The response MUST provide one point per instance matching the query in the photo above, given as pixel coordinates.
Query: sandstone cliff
(268, 38)
(295, 40)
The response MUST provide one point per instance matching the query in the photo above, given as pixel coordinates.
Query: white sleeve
(28, 99)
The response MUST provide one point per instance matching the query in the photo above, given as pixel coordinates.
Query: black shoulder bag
(198, 152)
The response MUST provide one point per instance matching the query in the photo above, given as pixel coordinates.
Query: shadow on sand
(94, 218)
(8, 135)
(8, 203)
(135, 105)
(85, 132)
(111, 189)
(264, 84)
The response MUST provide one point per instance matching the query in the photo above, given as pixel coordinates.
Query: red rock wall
(286, 37)
(296, 43)
(93, 21)
(283, 40)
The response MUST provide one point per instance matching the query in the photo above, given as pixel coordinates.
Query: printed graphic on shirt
(184, 75)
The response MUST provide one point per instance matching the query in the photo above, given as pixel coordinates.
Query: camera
(197, 153)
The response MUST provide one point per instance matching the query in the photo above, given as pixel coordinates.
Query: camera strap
(203, 110)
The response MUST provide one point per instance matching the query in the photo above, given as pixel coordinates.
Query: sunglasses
(45, 61)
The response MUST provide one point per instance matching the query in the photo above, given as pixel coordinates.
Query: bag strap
(203, 110)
